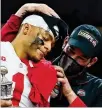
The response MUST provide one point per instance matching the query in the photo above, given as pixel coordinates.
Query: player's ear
(26, 28)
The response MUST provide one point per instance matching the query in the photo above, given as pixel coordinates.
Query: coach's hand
(66, 87)
(35, 7)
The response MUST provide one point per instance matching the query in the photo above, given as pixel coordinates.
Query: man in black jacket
(80, 52)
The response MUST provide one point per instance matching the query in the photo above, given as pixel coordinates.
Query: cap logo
(89, 37)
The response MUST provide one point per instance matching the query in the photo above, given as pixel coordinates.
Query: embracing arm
(10, 29)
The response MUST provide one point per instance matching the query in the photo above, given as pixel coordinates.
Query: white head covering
(38, 21)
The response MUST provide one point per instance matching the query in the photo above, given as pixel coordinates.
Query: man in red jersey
(34, 40)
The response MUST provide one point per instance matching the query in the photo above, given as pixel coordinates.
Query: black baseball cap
(87, 38)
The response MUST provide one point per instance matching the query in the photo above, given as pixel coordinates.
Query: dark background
(73, 12)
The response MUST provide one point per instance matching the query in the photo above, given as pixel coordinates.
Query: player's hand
(35, 7)
(5, 103)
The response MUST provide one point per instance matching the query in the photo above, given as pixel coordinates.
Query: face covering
(70, 66)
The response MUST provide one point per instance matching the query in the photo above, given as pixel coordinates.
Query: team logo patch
(81, 92)
(89, 37)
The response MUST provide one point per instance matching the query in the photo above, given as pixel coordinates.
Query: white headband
(38, 21)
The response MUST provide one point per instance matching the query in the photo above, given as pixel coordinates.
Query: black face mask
(70, 66)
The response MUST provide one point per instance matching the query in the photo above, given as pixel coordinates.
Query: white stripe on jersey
(25, 102)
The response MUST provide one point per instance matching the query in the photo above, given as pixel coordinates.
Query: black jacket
(87, 87)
